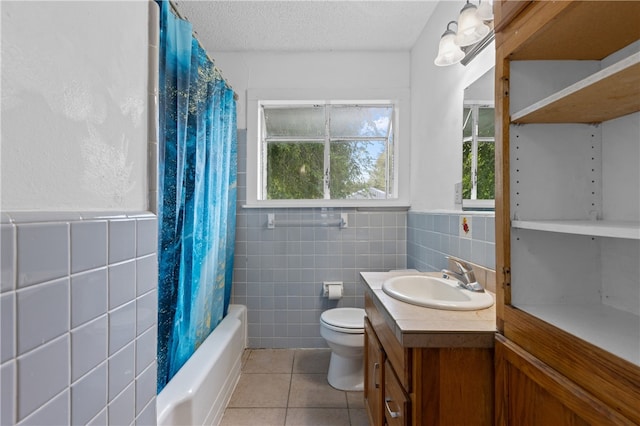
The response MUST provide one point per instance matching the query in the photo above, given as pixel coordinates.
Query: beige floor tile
(355, 399)
(261, 390)
(269, 361)
(254, 416)
(358, 417)
(317, 417)
(312, 390)
(311, 361)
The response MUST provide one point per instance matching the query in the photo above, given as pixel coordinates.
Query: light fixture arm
(451, 22)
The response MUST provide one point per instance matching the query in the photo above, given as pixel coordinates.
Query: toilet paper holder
(327, 284)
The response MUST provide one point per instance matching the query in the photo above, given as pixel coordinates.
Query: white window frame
(399, 98)
(473, 203)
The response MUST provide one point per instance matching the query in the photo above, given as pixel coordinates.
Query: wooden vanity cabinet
(567, 218)
(373, 368)
(396, 402)
(422, 385)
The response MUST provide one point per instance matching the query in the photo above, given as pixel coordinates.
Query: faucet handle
(465, 269)
(463, 266)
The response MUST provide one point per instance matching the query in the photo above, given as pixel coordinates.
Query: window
(327, 151)
(478, 156)
(310, 152)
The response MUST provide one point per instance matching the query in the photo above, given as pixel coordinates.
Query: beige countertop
(417, 326)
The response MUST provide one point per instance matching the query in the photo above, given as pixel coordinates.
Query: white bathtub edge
(200, 390)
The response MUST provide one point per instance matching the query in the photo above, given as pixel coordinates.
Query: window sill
(358, 204)
(480, 205)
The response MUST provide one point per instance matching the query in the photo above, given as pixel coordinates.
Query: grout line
(286, 410)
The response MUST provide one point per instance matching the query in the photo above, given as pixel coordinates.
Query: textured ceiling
(297, 25)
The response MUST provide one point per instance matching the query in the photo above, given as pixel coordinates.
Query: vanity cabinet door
(374, 359)
(396, 404)
(529, 392)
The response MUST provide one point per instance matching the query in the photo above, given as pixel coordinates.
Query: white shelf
(609, 93)
(611, 329)
(597, 228)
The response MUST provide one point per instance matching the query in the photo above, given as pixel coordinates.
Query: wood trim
(524, 26)
(501, 402)
(503, 202)
(572, 29)
(505, 10)
(609, 378)
(572, 396)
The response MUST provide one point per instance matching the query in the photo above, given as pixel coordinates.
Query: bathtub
(201, 389)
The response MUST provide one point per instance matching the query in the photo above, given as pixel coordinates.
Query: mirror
(478, 144)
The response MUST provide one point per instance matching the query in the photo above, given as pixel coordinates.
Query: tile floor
(289, 387)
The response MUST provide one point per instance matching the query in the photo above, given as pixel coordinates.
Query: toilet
(343, 329)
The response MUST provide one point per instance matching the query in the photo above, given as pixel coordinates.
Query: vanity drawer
(397, 355)
(396, 402)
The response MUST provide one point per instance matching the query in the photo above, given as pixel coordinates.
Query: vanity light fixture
(449, 52)
(485, 10)
(474, 28)
(471, 29)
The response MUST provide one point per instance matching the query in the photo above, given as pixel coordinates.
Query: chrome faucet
(466, 278)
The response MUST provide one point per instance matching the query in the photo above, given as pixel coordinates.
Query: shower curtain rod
(216, 70)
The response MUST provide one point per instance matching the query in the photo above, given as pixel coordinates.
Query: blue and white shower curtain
(196, 195)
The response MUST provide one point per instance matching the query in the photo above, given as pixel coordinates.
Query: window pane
(358, 169)
(390, 165)
(467, 118)
(486, 171)
(304, 122)
(295, 171)
(467, 158)
(355, 121)
(486, 123)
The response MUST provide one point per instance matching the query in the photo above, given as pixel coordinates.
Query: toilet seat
(344, 320)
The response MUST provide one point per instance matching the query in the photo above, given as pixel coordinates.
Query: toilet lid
(347, 318)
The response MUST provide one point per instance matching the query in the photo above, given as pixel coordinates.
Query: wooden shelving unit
(606, 327)
(610, 93)
(596, 228)
(567, 283)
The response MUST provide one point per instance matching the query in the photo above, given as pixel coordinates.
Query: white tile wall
(88, 245)
(121, 370)
(7, 253)
(78, 309)
(122, 283)
(43, 252)
(88, 296)
(88, 346)
(43, 313)
(122, 408)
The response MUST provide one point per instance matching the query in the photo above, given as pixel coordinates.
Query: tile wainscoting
(433, 236)
(79, 314)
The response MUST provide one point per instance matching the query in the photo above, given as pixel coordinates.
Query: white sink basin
(437, 293)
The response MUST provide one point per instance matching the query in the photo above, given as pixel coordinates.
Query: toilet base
(346, 373)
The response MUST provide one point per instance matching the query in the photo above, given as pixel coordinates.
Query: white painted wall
(74, 106)
(313, 70)
(436, 107)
